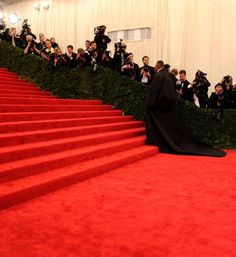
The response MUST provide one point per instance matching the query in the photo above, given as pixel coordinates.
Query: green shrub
(114, 89)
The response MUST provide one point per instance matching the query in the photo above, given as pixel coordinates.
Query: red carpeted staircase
(48, 143)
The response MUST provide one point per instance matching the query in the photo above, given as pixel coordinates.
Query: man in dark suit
(184, 86)
(164, 126)
(131, 69)
(70, 57)
(146, 72)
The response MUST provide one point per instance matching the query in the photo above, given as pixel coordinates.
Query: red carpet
(163, 206)
(48, 143)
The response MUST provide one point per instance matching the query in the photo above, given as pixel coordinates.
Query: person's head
(70, 49)
(93, 45)
(53, 40)
(167, 67)
(57, 50)
(174, 72)
(218, 89)
(227, 82)
(13, 31)
(145, 60)
(81, 52)
(182, 75)
(48, 43)
(159, 65)
(29, 38)
(130, 57)
(41, 37)
(87, 44)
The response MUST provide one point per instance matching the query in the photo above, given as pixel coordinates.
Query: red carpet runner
(48, 143)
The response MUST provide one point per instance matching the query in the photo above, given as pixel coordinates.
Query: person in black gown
(164, 126)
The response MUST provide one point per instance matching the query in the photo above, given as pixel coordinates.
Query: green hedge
(116, 90)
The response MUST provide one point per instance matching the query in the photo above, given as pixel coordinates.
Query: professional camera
(46, 51)
(130, 64)
(145, 68)
(120, 46)
(99, 30)
(25, 27)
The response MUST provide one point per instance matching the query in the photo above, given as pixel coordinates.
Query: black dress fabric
(164, 126)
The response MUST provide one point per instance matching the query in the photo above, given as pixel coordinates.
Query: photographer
(106, 60)
(41, 45)
(69, 57)
(53, 42)
(119, 58)
(31, 46)
(131, 69)
(227, 84)
(101, 39)
(146, 71)
(47, 51)
(91, 56)
(56, 58)
(26, 30)
(13, 39)
(200, 88)
(80, 58)
(218, 101)
(184, 88)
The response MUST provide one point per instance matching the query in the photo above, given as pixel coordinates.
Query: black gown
(164, 126)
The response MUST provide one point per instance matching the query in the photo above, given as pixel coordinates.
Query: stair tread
(2, 95)
(60, 120)
(59, 100)
(66, 140)
(62, 173)
(46, 131)
(64, 154)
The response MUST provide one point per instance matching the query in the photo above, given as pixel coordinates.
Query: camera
(25, 27)
(32, 44)
(130, 64)
(145, 68)
(120, 47)
(99, 30)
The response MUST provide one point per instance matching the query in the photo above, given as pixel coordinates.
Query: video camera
(120, 46)
(100, 30)
(26, 27)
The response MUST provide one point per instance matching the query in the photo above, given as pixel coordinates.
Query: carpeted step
(52, 108)
(9, 139)
(26, 116)
(2, 95)
(40, 164)
(19, 152)
(36, 101)
(17, 83)
(10, 76)
(11, 127)
(18, 191)
(23, 92)
(19, 87)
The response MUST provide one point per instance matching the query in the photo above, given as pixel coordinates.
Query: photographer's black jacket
(102, 41)
(133, 73)
(151, 71)
(70, 62)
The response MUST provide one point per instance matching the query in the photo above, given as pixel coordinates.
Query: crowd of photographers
(95, 53)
